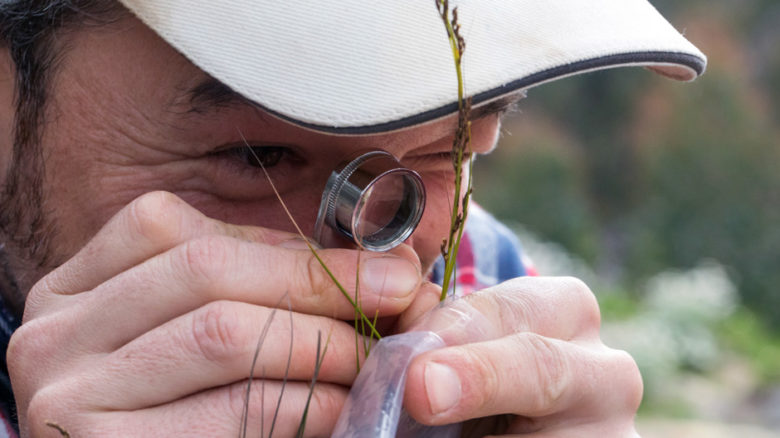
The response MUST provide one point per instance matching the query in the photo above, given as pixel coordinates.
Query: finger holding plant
(204, 290)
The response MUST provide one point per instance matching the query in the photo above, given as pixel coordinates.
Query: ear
(7, 110)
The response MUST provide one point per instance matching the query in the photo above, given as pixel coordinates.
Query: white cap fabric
(358, 67)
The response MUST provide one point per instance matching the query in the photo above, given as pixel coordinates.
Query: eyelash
(246, 158)
(259, 156)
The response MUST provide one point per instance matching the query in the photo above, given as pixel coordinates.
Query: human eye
(249, 160)
(255, 156)
(241, 171)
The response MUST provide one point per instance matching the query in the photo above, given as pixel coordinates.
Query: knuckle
(313, 284)
(55, 405)
(235, 401)
(327, 402)
(17, 352)
(216, 332)
(242, 405)
(25, 347)
(44, 406)
(488, 376)
(575, 286)
(588, 305)
(631, 384)
(203, 260)
(516, 310)
(36, 298)
(552, 371)
(156, 216)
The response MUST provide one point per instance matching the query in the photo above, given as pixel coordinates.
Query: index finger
(557, 307)
(150, 225)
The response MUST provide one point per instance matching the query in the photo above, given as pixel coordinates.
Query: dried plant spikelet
(460, 150)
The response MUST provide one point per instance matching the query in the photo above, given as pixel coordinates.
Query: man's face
(129, 115)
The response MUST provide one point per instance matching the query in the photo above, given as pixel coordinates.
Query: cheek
(266, 212)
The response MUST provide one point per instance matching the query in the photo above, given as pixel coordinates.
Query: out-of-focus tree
(637, 174)
(712, 185)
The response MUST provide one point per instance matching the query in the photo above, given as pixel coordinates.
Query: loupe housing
(371, 200)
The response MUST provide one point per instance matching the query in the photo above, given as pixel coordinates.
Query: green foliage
(671, 194)
(541, 187)
(713, 191)
(617, 305)
(637, 174)
(672, 407)
(746, 334)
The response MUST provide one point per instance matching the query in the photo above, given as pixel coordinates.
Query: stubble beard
(26, 233)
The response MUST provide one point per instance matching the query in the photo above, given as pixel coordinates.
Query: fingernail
(297, 243)
(443, 387)
(389, 276)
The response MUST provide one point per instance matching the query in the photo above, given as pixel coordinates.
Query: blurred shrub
(745, 334)
(636, 174)
(673, 326)
(686, 321)
(542, 184)
(712, 189)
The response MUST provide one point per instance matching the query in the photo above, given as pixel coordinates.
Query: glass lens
(386, 210)
(371, 200)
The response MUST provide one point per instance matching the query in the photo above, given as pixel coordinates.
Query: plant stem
(461, 145)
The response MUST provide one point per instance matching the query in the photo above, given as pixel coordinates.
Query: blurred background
(665, 198)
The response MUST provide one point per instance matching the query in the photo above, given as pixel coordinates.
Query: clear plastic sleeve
(374, 406)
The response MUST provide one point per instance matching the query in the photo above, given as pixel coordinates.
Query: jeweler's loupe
(371, 200)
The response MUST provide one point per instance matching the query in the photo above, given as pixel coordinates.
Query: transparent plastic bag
(374, 407)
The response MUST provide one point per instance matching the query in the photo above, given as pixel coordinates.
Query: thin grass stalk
(286, 372)
(319, 359)
(360, 328)
(262, 403)
(461, 145)
(260, 342)
(368, 341)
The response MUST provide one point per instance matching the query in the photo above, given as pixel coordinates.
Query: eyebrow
(501, 106)
(210, 94)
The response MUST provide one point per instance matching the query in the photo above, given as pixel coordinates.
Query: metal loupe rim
(328, 203)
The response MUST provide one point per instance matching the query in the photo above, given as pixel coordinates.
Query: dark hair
(28, 29)
(31, 31)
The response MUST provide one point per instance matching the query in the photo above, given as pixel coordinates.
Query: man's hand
(151, 328)
(528, 347)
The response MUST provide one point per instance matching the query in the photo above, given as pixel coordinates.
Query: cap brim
(357, 67)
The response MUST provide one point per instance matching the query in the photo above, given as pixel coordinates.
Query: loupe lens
(379, 206)
(373, 201)
(386, 210)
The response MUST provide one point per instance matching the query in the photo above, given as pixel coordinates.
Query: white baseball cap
(361, 67)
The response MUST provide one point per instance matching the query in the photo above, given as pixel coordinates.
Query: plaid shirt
(489, 254)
